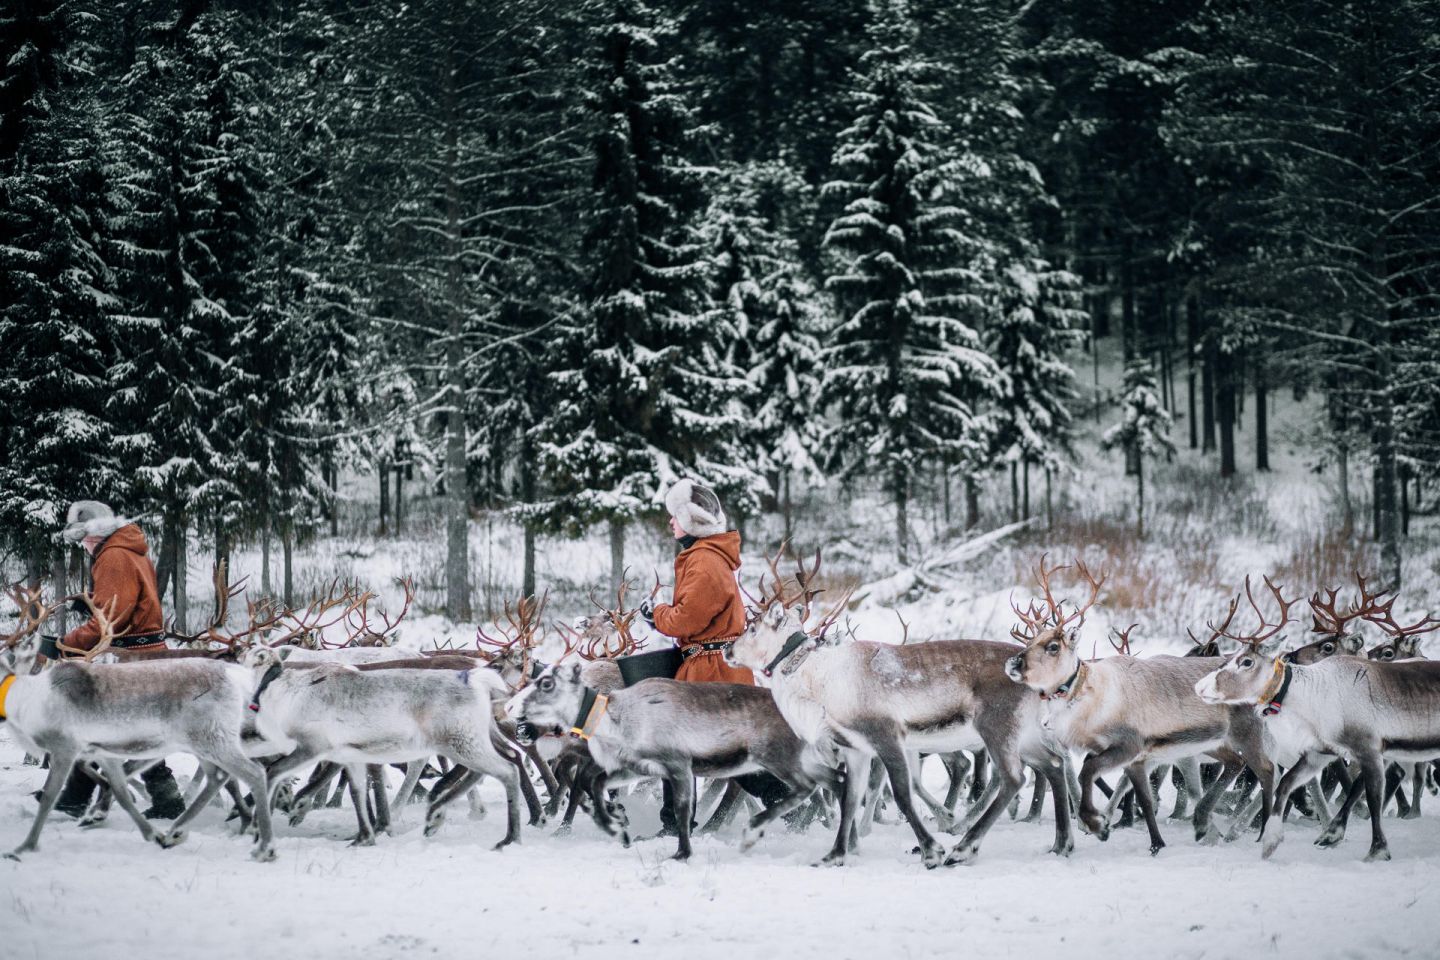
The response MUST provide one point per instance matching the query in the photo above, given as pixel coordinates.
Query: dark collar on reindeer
(592, 707)
(792, 643)
(1273, 698)
(267, 678)
(1069, 688)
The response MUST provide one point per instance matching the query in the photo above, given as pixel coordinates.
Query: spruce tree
(904, 368)
(1143, 430)
(645, 392)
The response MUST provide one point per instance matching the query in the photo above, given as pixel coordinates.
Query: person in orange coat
(123, 585)
(706, 611)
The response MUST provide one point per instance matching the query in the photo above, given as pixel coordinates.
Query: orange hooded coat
(707, 607)
(124, 576)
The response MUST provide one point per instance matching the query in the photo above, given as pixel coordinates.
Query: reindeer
(78, 709)
(1340, 707)
(669, 729)
(1125, 711)
(859, 700)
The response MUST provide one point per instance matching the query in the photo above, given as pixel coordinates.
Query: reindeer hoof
(1156, 847)
(962, 854)
(831, 859)
(13, 855)
(625, 839)
(263, 855)
(1329, 837)
(562, 831)
(502, 844)
(681, 855)
(1377, 854)
(89, 822)
(363, 840)
(172, 839)
(1063, 849)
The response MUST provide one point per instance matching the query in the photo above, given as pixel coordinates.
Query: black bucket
(657, 663)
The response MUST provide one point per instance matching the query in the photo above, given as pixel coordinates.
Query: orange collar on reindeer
(5, 686)
(592, 708)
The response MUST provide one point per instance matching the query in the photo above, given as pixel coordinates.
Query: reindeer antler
(1265, 630)
(1385, 620)
(1328, 620)
(104, 617)
(33, 613)
(1035, 619)
(1123, 636)
(1217, 632)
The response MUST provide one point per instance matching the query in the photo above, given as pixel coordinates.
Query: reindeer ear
(1271, 649)
(575, 667)
(1072, 638)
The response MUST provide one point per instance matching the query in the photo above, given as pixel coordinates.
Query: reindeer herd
(839, 726)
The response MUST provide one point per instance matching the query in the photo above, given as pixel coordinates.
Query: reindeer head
(1404, 642)
(1337, 638)
(512, 654)
(776, 627)
(1249, 675)
(19, 650)
(1050, 634)
(549, 704)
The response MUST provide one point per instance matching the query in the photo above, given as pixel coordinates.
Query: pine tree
(772, 315)
(903, 367)
(1320, 104)
(645, 391)
(1143, 430)
(56, 435)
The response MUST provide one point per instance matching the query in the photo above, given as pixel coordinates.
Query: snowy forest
(272, 272)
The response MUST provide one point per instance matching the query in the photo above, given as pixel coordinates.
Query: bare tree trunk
(972, 502)
(181, 600)
(62, 589)
(617, 554)
(1140, 498)
(786, 506)
(1049, 499)
(1342, 463)
(1225, 414)
(1262, 416)
(382, 471)
(1025, 508)
(457, 548)
(222, 559)
(1387, 517)
(899, 481)
(287, 548)
(1014, 493)
(265, 557)
(1192, 321)
(333, 482)
(527, 495)
(1128, 332)
(399, 500)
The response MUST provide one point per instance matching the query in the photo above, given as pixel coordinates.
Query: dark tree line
(555, 255)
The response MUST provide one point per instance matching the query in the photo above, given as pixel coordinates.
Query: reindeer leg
(1053, 768)
(381, 797)
(730, 800)
(214, 779)
(891, 752)
(1334, 831)
(1230, 765)
(1140, 786)
(407, 786)
(60, 764)
(1115, 755)
(1372, 767)
(943, 818)
(957, 765)
(547, 776)
(850, 800)
(1009, 774)
(356, 779)
(114, 772)
(682, 792)
(755, 828)
(1296, 777)
(1417, 786)
(1037, 799)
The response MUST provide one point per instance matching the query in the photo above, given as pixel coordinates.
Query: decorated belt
(706, 649)
(127, 643)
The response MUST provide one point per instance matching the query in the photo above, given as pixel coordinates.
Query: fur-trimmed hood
(91, 518)
(696, 508)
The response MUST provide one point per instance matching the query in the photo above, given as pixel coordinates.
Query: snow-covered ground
(103, 892)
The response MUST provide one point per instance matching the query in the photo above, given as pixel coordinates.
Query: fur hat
(696, 508)
(90, 518)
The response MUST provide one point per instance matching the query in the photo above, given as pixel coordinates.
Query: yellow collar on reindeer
(592, 709)
(5, 686)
